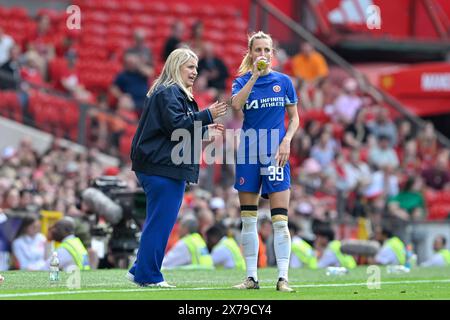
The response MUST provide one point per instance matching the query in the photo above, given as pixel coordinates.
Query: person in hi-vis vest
(71, 251)
(224, 249)
(441, 256)
(190, 252)
(303, 254)
(393, 250)
(332, 255)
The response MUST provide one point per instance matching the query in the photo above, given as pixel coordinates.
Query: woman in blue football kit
(262, 165)
(169, 106)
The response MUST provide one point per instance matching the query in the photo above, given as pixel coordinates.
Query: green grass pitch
(420, 283)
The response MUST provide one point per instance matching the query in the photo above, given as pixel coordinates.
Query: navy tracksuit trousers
(164, 197)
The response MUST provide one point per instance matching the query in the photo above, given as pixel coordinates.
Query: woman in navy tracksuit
(169, 106)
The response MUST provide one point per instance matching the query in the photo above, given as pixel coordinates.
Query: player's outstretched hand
(218, 109)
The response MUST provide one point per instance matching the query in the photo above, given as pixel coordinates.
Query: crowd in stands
(352, 159)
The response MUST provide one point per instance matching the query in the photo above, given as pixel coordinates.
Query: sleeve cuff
(205, 117)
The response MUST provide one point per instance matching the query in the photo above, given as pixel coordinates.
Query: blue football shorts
(266, 179)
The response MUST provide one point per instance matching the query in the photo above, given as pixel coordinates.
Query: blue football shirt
(264, 112)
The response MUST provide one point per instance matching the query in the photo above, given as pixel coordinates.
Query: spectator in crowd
(43, 41)
(225, 251)
(10, 70)
(409, 157)
(12, 200)
(427, 144)
(303, 254)
(347, 103)
(191, 250)
(32, 71)
(311, 69)
(205, 219)
(197, 42)
(29, 247)
(409, 203)
(6, 44)
(357, 132)
(264, 232)
(405, 132)
(330, 250)
(393, 250)
(212, 68)
(280, 57)
(324, 151)
(142, 51)
(313, 129)
(383, 183)
(71, 252)
(437, 176)
(132, 80)
(174, 40)
(383, 154)
(357, 172)
(441, 257)
(65, 78)
(383, 126)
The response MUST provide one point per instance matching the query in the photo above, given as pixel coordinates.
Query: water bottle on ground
(336, 271)
(411, 258)
(54, 268)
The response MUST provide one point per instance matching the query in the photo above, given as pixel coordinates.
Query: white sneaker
(162, 284)
(130, 277)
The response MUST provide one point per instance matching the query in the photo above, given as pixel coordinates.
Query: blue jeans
(164, 197)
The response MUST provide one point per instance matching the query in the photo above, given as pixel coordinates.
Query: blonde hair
(171, 74)
(247, 64)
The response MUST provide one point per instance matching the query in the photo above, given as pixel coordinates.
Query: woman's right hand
(218, 109)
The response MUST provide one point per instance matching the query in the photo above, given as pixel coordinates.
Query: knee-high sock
(250, 243)
(281, 243)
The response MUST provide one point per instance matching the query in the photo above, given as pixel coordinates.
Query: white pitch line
(72, 292)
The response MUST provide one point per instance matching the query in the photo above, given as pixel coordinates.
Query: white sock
(250, 245)
(282, 246)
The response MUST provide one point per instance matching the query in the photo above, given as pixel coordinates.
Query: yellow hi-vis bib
(305, 253)
(199, 252)
(345, 260)
(78, 252)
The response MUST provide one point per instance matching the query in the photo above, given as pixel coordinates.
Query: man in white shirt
(441, 257)
(6, 43)
(63, 231)
(393, 250)
(225, 252)
(29, 247)
(383, 154)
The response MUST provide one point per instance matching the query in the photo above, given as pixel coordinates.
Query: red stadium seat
(18, 13)
(439, 212)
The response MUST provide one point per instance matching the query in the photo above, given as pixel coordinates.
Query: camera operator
(109, 206)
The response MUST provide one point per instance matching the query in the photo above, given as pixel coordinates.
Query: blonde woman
(264, 96)
(169, 106)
